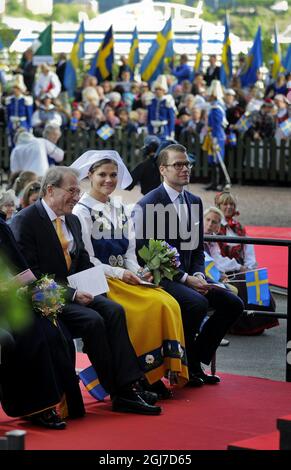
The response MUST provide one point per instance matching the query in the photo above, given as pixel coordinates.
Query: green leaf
(157, 277)
(144, 253)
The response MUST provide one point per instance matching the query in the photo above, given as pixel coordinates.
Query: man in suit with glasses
(175, 215)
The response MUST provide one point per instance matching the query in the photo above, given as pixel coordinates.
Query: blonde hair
(215, 210)
(224, 198)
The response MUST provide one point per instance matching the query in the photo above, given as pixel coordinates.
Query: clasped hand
(197, 283)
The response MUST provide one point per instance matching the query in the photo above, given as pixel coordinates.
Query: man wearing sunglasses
(175, 215)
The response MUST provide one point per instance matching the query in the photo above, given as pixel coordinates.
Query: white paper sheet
(92, 281)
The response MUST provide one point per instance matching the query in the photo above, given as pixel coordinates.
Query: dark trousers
(194, 306)
(102, 327)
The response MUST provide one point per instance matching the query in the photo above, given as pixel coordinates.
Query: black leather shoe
(134, 405)
(206, 378)
(150, 398)
(161, 390)
(47, 419)
(194, 381)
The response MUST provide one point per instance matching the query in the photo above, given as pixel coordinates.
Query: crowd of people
(134, 335)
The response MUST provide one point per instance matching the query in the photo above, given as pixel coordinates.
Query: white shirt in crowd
(31, 154)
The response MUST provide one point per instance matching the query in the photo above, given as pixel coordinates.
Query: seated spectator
(8, 203)
(263, 123)
(106, 171)
(213, 218)
(30, 193)
(39, 369)
(125, 123)
(23, 178)
(44, 115)
(243, 254)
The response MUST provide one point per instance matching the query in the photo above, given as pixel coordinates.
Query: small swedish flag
(258, 287)
(105, 132)
(92, 384)
(244, 123)
(285, 127)
(211, 270)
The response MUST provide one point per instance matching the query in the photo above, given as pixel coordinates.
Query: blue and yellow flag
(287, 60)
(162, 48)
(277, 65)
(72, 65)
(102, 62)
(198, 58)
(105, 132)
(226, 57)
(92, 384)
(258, 287)
(244, 123)
(133, 57)
(253, 62)
(285, 127)
(211, 270)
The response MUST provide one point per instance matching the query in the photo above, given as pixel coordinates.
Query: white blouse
(110, 213)
(250, 261)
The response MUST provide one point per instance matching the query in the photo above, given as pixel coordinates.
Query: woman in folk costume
(153, 316)
(216, 135)
(239, 259)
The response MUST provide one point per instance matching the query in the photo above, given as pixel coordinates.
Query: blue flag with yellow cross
(257, 284)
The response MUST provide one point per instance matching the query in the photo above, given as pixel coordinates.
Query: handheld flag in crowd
(254, 62)
(72, 65)
(226, 57)
(277, 66)
(198, 58)
(133, 57)
(285, 127)
(162, 48)
(211, 270)
(258, 287)
(286, 62)
(102, 62)
(42, 47)
(105, 132)
(244, 123)
(92, 384)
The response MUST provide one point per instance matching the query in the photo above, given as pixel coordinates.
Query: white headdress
(161, 82)
(87, 159)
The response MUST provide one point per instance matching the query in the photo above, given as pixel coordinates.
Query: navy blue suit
(101, 324)
(194, 306)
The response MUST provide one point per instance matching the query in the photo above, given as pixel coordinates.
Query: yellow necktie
(64, 242)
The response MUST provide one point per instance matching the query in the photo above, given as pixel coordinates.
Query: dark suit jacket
(215, 75)
(9, 249)
(39, 243)
(192, 260)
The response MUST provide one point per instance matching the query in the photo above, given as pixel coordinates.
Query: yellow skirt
(155, 329)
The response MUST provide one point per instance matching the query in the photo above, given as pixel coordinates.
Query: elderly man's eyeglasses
(180, 165)
(73, 191)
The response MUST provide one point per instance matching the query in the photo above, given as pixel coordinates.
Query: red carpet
(208, 418)
(275, 258)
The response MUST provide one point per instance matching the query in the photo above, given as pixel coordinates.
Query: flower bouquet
(161, 259)
(48, 297)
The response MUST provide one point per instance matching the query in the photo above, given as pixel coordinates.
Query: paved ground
(258, 205)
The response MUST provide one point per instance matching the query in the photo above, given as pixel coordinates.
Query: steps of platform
(263, 442)
(284, 427)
